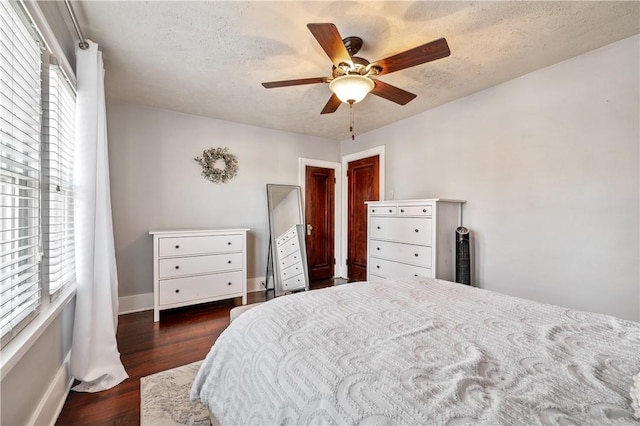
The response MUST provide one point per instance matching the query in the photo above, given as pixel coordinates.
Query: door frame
(346, 159)
(337, 200)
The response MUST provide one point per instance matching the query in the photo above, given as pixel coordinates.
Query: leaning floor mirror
(287, 256)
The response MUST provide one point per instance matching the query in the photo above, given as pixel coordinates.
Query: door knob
(309, 229)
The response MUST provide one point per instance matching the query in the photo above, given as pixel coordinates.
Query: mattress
(419, 351)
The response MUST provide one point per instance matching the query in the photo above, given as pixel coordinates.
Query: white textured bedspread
(418, 352)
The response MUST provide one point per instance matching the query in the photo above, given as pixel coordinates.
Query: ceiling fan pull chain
(351, 121)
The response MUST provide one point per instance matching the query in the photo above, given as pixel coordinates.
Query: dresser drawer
(293, 283)
(291, 271)
(186, 246)
(389, 269)
(383, 210)
(289, 260)
(179, 266)
(411, 230)
(179, 290)
(287, 248)
(373, 277)
(406, 253)
(415, 211)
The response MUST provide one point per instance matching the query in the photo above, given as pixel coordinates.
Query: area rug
(164, 398)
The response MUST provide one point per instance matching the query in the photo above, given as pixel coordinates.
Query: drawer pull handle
(378, 227)
(416, 230)
(177, 267)
(416, 254)
(229, 243)
(177, 246)
(377, 248)
(177, 290)
(415, 275)
(401, 210)
(390, 210)
(373, 210)
(378, 266)
(229, 261)
(423, 211)
(228, 283)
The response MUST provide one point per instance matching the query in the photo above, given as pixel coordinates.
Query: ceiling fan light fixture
(351, 88)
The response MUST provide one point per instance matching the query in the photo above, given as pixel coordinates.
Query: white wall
(156, 184)
(549, 165)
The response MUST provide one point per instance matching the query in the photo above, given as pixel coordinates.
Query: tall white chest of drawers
(198, 266)
(412, 238)
(291, 250)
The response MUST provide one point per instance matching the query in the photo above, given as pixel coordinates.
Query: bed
(419, 351)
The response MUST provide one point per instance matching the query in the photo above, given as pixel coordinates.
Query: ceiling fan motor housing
(360, 66)
(353, 44)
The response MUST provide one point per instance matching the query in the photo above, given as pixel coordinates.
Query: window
(57, 193)
(37, 112)
(20, 127)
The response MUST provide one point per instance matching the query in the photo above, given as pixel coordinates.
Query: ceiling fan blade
(331, 42)
(285, 83)
(332, 105)
(392, 93)
(428, 52)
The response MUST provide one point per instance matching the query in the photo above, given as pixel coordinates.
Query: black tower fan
(463, 256)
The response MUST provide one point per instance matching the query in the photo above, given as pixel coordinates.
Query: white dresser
(412, 238)
(198, 266)
(290, 246)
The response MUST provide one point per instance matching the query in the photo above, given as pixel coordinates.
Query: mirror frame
(273, 264)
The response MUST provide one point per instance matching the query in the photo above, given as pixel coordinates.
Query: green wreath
(209, 169)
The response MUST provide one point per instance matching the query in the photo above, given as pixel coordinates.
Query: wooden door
(320, 185)
(363, 185)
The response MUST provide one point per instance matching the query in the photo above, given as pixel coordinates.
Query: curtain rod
(83, 43)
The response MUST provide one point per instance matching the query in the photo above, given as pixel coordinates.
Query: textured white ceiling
(209, 58)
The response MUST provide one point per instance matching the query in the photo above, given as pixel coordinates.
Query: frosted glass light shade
(351, 88)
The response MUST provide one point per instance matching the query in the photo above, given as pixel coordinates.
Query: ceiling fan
(351, 79)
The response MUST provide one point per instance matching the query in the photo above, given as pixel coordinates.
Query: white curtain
(95, 359)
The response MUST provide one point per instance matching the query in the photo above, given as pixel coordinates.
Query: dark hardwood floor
(180, 337)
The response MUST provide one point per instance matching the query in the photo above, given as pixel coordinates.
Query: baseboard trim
(50, 406)
(144, 301)
(255, 284)
(135, 303)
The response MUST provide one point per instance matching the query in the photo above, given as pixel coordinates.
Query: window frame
(57, 179)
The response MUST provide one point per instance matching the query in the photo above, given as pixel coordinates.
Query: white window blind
(20, 128)
(57, 195)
